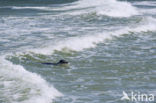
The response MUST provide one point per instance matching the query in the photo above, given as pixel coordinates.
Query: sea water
(110, 46)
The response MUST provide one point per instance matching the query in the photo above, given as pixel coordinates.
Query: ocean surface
(110, 45)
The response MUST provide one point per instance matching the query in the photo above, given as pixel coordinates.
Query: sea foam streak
(20, 86)
(34, 8)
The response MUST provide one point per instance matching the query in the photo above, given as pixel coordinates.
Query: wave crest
(20, 86)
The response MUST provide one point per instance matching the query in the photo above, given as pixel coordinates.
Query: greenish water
(109, 50)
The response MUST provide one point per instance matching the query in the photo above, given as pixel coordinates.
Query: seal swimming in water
(61, 62)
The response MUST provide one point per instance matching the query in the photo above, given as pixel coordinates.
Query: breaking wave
(20, 86)
(90, 41)
(104, 7)
(111, 8)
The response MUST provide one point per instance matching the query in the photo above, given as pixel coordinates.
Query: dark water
(110, 45)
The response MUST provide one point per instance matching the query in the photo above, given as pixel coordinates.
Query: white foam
(145, 3)
(21, 86)
(73, 43)
(148, 11)
(102, 7)
(112, 8)
(90, 41)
